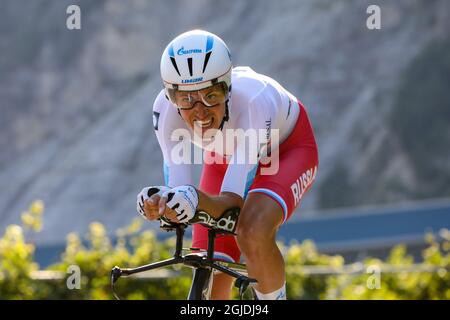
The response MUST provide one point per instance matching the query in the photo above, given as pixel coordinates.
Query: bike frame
(203, 266)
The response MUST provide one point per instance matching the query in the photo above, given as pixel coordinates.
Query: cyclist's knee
(254, 231)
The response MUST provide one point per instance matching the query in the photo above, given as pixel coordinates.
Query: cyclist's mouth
(204, 124)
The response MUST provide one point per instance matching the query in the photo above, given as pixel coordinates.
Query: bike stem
(179, 243)
(211, 239)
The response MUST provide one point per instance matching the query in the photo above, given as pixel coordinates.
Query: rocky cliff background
(75, 105)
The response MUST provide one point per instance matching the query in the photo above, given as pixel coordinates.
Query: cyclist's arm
(215, 206)
(165, 121)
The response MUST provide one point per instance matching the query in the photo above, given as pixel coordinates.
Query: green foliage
(301, 285)
(133, 248)
(397, 277)
(16, 263)
(402, 285)
(95, 261)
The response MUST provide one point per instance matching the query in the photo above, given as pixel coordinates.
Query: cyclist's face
(201, 118)
(203, 109)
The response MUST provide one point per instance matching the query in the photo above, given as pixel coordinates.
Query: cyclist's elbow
(232, 199)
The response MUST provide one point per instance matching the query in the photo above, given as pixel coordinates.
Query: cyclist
(205, 95)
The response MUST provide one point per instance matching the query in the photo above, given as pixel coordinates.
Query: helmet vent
(206, 61)
(189, 60)
(174, 63)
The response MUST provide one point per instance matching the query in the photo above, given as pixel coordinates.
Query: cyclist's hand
(151, 207)
(148, 200)
(179, 204)
(164, 210)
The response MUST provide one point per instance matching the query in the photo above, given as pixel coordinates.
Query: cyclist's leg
(225, 246)
(257, 228)
(271, 201)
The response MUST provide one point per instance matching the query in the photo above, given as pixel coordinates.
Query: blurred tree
(134, 248)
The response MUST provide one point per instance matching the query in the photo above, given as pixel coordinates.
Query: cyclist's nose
(200, 109)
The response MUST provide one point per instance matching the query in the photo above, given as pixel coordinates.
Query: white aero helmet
(195, 60)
